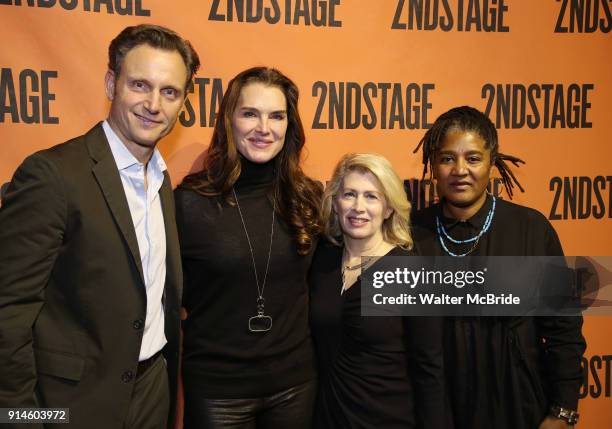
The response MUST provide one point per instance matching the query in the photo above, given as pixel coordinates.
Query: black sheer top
(374, 372)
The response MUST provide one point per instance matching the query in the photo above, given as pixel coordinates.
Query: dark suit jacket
(72, 295)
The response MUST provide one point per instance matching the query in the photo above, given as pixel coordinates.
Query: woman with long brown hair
(248, 222)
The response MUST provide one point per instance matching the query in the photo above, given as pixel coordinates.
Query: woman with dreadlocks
(519, 372)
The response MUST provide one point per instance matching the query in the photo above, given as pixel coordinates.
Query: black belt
(143, 365)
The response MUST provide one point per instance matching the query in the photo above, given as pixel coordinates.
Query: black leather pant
(291, 409)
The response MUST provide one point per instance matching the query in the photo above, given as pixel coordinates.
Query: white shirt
(148, 220)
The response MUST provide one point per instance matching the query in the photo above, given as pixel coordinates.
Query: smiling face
(259, 122)
(462, 167)
(146, 97)
(361, 207)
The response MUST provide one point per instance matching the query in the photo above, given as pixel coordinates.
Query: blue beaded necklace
(443, 234)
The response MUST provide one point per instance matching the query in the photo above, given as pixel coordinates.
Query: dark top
(506, 372)
(221, 356)
(374, 372)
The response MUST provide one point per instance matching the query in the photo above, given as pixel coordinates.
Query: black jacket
(72, 294)
(506, 372)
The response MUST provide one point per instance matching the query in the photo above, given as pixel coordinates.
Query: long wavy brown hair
(298, 198)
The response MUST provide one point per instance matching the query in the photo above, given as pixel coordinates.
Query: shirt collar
(123, 157)
(477, 221)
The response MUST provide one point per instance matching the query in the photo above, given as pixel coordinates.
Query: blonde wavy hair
(396, 228)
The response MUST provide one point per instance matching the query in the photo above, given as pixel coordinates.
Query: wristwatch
(570, 416)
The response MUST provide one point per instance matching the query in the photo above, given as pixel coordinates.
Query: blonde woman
(374, 372)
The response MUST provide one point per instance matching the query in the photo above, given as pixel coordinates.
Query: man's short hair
(157, 37)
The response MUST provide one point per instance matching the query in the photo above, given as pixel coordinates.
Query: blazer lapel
(107, 175)
(173, 263)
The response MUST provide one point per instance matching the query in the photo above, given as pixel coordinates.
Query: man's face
(146, 97)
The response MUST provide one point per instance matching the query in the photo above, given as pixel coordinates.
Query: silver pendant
(261, 322)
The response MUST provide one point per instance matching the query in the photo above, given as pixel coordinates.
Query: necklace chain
(442, 233)
(260, 291)
(366, 262)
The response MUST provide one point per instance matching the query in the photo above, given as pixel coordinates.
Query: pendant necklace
(366, 262)
(261, 322)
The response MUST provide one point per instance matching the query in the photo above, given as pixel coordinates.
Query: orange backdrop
(372, 75)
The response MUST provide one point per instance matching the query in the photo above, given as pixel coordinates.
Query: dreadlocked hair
(466, 118)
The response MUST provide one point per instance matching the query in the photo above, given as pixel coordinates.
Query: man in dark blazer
(90, 273)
